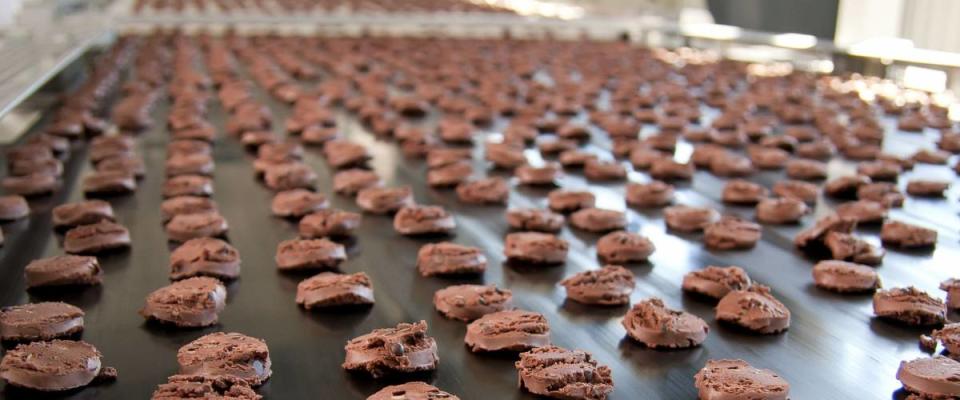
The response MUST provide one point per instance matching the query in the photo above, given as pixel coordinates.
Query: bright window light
(926, 79)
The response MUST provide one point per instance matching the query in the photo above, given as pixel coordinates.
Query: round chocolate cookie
(288, 176)
(535, 247)
(423, 220)
(931, 377)
(449, 175)
(803, 191)
(351, 181)
(927, 187)
(845, 187)
(610, 285)
(448, 258)
(731, 233)
(484, 191)
(172, 207)
(296, 203)
(404, 349)
(604, 170)
(508, 330)
(188, 185)
(655, 325)
(904, 235)
(544, 175)
(846, 247)
(411, 391)
(566, 201)
(716, 282)
(885, 193)
(469, 302)
(863, 211)
(96, 238)
(805, 169)
(534, 219)
(735, 379)
(621, 247)
(185, 387)
(53, 366)
(952, 287)
(328, 223)
(689, 219)
(649, 195)
(949, 337)
(40, 321)
(205, 257)
(782, 210)
(306, 254)
(598, 220)
(81, 213)
(328, 289)
(754, 309)
(845, 277)
(13, 207)
(816, 234)
(184, 227)
(739, 191)
(190, 303)
(384, 200)
(35, 184)
(666, 169)
(910, 306)
(556, 372)
(63, 270)
(227, 354)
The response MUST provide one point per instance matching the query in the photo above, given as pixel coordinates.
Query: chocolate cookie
(930, 377)
(172, 207)
(509, 330)
(716, 282)
(598, 220)
(305, 254)
(411, 391)
(384, 200)
(109, 183)
(655, 325)
(735, 379)
(649, 195)
(188, 185)
(880, 170)
(189, 164)
(54, 366)
(63, 270)
(36, 184)
(190, 303)
(534, 219)
(184, 227)
(566, 201)
(506, 155)
(423, 220)
(689, 219)
(227, 354)
(845, 277)
(783, 210)
(351, 181)
(96, 238)
(885, 193)
(205, 257)
(927, 187)
(622, 247)
(904, 235)
(666, 169)
(754, 309)
(730, 233)
(296, 203)
(469, 302)
(82, 213)
(604, 170)
(739, 191)
(949, 337)
(535, 247)
(484, 191)
(816, 234)
(544, 175)
(556, 372)
(328, 289)
(845, 187)
(40, 321)
(185, 387)
(910, 306)
(13, 207)
(449, 175)
(803, 191)
(952, 287)
(846, 247)
(404, 349)
(288, 176)
(450, 259)
(609, 286)
(329, 223)
(576, 158)
(806, 169)
(863, 211)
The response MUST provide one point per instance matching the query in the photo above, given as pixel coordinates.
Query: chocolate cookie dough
(904, 235)
(689, 219)
(846, 247)
(782, 210)
(13, 207)
(609, 286)
(404, 349)
(227, 354)
(328, 289)
(910, 306)
(740, 191)
(716, 282)
(927, 187)
(384, 200)
(534, 219)
(492, 190)
(735, 379)
(559, 373)
(423, 220)
(509, 330)
(172, 207)
(205, 257)
(306, 254)
(754, 309)
(469, 302)
(598, 220)
(730, 233)
(296, 203)
(190, 303)
(566, 201)
(845, 277)
(863, 211)
(81, 213)
(96, 238)
(535, 247)
(185, 387)
(351, 181)
(329, 223)
(184, 227)
(622, 247)
(54, 366)
(649, 195)
(63, 270)
(40, 321)
(655, 325)
(448, 258)
(930, 377)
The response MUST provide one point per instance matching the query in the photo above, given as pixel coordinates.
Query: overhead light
(794, 40)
